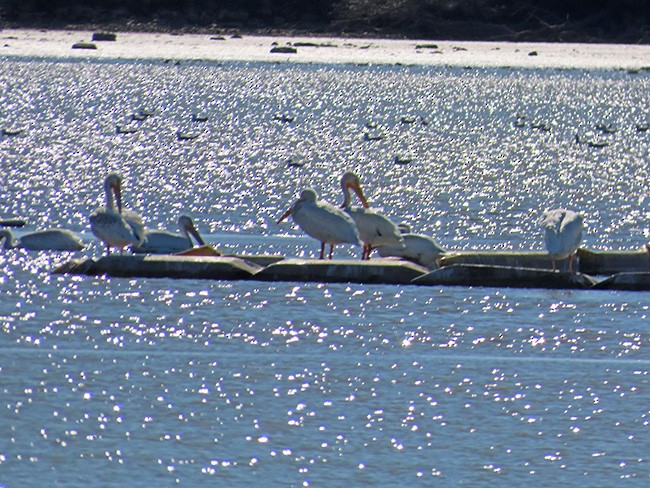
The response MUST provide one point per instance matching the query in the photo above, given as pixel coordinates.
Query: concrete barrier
(503, 276)
(384, 271)
(163, 266)
(625, 282)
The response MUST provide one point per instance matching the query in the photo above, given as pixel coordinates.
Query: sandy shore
(58, 44)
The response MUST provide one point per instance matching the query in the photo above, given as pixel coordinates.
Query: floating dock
(507, 270)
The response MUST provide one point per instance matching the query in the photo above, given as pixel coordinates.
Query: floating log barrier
(12, 223)
(503, 276)
(262, 260)
(201, 263)
(613, 262)
(534, 259)
(625, 282)
(257, 259)
(595, 263)
(376, 271)
(163, 266)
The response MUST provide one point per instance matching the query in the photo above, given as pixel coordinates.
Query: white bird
(418, 248)
(43, 240)
(322, 221)
(375, 229)
(563, 234)
(164, 242)
(113, 225)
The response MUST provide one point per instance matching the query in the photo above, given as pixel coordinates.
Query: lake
(136, 382)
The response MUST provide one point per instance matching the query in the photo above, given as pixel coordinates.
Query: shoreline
(325, 50)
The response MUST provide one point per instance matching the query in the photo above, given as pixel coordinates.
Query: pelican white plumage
(164, 242)
(375, 229)
(322, 221)
(563, 234)
(418, 248)
(113, 225)
(43, 240)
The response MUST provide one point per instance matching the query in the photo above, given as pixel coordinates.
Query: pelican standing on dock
(420, 249)
(113, 225)
(563, 234)
(43, 240)
(322, 221)
(164, 242)
(375, 229)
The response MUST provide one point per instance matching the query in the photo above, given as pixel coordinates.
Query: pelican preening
(43, 240)
(113, 225)
(322, 221)
(418, 248)
(164, 242)
(374, 228)
(563, 234)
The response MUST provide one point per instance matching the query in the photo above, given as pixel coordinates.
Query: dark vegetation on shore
(605, 21)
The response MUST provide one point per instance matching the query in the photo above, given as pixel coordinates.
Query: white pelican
(322, 221)
(375, 229)
(164, 242)
(418, 248)
(563, 234)
(43, 240)
(112, 225)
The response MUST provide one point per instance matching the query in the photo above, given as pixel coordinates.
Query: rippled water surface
(136, 382)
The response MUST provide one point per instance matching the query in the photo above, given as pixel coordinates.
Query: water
(113, 382)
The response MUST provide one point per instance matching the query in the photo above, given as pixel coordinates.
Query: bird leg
(364, 250)
(367, 250)
(322, 250)
(331, 250)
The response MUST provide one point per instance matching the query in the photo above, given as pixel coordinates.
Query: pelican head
(8, 237)
(307, 195)
(113, 186)
(187, 226)
(404, 228)
(350, 181)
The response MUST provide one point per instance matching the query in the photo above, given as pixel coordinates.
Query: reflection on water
(109, 381)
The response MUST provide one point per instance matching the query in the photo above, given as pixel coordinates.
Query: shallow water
(107, 382)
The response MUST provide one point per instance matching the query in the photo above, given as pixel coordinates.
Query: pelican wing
(374, 228)
(111, 228)
(326, 223)
(563, 231)
(162, 242)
